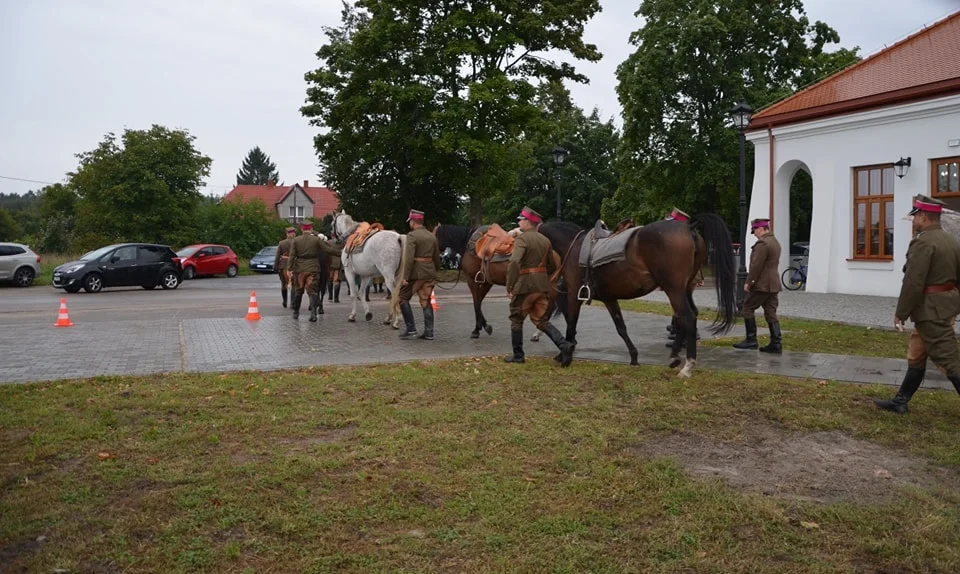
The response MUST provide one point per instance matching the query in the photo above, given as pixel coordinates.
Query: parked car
(18, 263)
(262, 262)
(121, 265)
(207, 259)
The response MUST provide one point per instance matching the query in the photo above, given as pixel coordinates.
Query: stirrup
(581, 296)
(480, 277)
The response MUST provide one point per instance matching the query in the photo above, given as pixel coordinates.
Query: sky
(231, 73)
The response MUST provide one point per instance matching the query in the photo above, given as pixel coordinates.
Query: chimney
(271, 183)
(306, 183)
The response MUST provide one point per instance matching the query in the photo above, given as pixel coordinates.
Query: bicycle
(794, 278)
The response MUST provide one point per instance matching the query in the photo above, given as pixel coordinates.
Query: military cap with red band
(926, 204)
(759, 223)
(415, 216)
(530, 215)
(677, 215)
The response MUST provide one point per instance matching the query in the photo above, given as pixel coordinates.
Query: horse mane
(561, 234)
(349, 225)
(454, 236)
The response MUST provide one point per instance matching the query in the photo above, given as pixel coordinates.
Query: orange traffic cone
(253, 312)
(63, 319)
(433, 300)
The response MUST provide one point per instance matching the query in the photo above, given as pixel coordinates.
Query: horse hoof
(368, 316)
(352, 319)
(488, 329)
(683, 374)
(535, 338)
(634, 363)
(475, 335)
(675, 363)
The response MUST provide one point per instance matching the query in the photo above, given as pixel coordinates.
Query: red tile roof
(922, 66)
(324, 199)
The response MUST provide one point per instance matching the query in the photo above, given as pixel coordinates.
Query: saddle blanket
(360, 235)
(606, 249)
(491, 243)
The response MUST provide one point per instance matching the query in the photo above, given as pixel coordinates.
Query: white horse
(380, 257)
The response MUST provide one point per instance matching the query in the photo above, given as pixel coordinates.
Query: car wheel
(169, 280)
(232, 270)
(93, 283)
(149, 287)
(189, 273)
(23, 277)
(72, 289)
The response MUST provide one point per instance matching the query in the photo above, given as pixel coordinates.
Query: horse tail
(395, 296)
(717, 236)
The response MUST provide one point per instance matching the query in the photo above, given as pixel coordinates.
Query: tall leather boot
(955, 379)
(751, 341)
(410, 328)
(336, 293)
(516, 337)
(283, 293)
(330, 291)
(774, 346)
(314, 305)
(566, 348)
(297, 299)
(320, 304)
(911, 382)
(427, 323)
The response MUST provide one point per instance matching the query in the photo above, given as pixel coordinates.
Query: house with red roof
(294, 203)
(871, 137)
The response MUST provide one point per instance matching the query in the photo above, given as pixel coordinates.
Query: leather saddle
(493, 245)
(360, 235)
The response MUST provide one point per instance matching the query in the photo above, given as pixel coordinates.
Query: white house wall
(829, 149)
(283, 208)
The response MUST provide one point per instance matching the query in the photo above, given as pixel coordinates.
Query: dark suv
(121, 265)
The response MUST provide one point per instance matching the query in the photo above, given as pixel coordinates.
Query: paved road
(200, 327)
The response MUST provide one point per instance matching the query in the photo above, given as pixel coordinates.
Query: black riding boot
(283, 293)
(427, 323)
(336, 293)
(751, 341)
(774, 346)
(314, 305)
(955, 379)
(566, 349)
(516, 337)
(672, 328)
(297, 299)
(911, 382)
(410, 328)
(330, 291)
(320, 304)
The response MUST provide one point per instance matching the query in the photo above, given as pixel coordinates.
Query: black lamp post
(741, 119)
(559, 154)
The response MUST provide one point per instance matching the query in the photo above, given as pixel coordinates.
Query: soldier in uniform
(763, 288)
(421, 259)
(929, 298)
(280, 262)
(305, 263)
(528, 286)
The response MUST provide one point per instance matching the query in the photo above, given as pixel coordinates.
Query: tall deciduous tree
(695, 59)
(257, 169)
(143, 188)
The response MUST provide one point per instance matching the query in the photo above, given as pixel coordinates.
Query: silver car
(18, 263)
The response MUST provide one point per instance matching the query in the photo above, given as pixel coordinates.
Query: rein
(563, 262)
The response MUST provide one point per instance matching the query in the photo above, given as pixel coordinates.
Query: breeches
(533, 304)
(756, 299)
(308, 282)
(335, 275)
(284, 278)
(422, 287)
(937, 341)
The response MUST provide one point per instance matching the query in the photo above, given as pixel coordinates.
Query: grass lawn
(475, 466)
(803, 335)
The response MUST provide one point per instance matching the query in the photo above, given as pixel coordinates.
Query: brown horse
(664, 254)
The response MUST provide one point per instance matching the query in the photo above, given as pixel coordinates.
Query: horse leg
(364, 283)
(572, 317)
(483, 290)
(475, 294)
(613, 307)
(393, 313)
(689, 321)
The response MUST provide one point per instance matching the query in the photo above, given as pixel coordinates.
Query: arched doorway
(794, 211)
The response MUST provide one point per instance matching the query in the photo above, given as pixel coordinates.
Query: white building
(847, 132)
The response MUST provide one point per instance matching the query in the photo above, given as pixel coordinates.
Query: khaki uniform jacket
(530, 249)
(933, 258)
(305, 253)
(283, 248)
(421, 244)
(764, 274)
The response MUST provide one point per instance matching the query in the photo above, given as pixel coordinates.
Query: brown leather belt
(940, 288)
(529, 270)
(423, 259)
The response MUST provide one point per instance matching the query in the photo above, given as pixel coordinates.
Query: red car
(205, 259)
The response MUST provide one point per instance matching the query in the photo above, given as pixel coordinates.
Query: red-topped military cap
(306, 226)
(760, 222)
(530, 215)
(291, 230)
(415, 216)
(677, 215)
(927, 204)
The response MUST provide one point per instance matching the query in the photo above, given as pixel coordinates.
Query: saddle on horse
(601, 247)
(360, 235)
(493, 244)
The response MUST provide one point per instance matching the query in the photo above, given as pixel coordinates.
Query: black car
(262, 262)
(121, 265)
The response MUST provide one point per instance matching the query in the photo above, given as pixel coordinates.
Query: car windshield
(272, 250)
(187, 251)
(96, 254)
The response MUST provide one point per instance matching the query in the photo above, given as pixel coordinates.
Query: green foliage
(257, 169)
(246, 226)
(24, 214)
(10, 230)
(695, 59)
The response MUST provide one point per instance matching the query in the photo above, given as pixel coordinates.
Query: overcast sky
(231, 73)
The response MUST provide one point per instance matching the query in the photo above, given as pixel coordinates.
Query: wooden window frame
(933, 177)
(868, 200)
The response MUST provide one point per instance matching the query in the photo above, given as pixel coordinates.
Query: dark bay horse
(664, 254)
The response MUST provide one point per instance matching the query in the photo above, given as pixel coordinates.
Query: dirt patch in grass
(821, 467)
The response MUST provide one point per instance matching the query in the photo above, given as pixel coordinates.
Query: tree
(10, 230)
(695, 60)
(57, 205)
(144, 188)
(246, 226)
(257, 169)
(427, 103)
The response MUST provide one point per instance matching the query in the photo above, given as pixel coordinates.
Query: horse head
(342, 226)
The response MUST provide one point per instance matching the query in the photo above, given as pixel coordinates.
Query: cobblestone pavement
(201, 329)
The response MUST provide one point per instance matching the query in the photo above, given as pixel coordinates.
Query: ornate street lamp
(741, 119)
(559, 154)
(902, 166)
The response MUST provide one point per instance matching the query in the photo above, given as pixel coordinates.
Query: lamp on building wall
(741, 119)
(902, 167)
(559, 154)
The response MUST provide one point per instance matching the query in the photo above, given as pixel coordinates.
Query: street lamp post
(559, 154)
(741, 119)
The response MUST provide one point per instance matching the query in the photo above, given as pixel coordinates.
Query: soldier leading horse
(664, 254)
